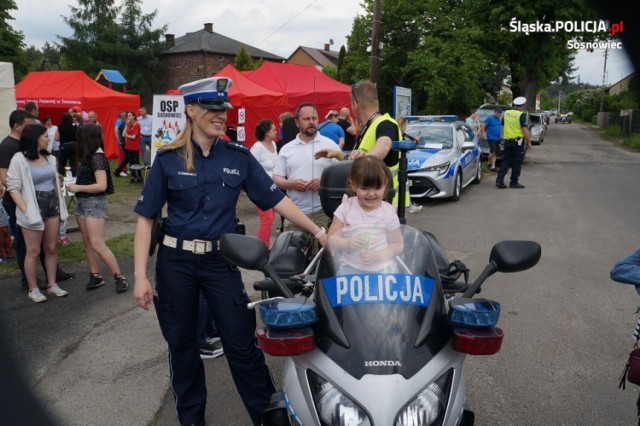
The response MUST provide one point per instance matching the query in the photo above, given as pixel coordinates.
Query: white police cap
(519, 101)
(209, 93)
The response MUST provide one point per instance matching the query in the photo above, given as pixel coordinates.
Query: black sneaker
(63, 276)
(121, 283)
(211, 350)
(516, 185)
(95, 281)
(501, 185)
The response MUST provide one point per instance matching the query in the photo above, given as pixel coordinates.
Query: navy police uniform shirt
(202, 203)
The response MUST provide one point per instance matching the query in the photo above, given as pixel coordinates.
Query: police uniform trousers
(180, 275)
(512, 155)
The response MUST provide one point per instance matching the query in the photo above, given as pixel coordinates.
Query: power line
(292, 18)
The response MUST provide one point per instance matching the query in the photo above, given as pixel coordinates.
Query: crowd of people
(39, 163)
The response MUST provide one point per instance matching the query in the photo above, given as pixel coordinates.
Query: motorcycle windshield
(380, 303)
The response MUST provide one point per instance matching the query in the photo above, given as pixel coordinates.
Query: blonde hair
(183, 144)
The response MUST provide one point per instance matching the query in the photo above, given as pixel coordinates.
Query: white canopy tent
(7, 96)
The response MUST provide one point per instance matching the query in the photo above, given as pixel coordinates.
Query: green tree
(244, 61)
(138, 49)
(539, 57)
(331, 71)
(96, 33)
(110, 36)
(47, 58)
(341, 55)
(11, 41)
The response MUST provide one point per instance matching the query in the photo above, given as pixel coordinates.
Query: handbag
(631, 371)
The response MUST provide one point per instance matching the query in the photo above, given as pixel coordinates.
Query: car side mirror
(468, 145)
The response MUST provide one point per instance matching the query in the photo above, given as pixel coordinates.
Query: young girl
(33, 184)
(365, 228)
(92, 185)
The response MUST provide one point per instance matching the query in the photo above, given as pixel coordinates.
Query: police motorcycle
(378, 342)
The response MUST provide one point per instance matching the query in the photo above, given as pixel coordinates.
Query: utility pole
(375, 41)
(604, 76)
(559, 96)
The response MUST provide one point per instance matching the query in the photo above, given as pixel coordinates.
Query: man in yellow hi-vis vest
(378, 131)
(516, 138)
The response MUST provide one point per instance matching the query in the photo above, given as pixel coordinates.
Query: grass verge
(121, 204)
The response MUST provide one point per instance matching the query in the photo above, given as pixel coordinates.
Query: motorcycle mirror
(515, 256)
(244, 251)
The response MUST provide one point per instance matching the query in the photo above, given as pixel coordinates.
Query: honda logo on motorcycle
(358, 289)
(382, 364)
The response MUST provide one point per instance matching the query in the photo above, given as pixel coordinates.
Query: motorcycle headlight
(334, 407)
(429, 406)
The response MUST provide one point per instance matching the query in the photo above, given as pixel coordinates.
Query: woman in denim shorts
(34, 186)
(92, 185)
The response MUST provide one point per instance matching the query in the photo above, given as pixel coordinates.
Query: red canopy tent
(303, 83)
(57, 91)
(257, 101)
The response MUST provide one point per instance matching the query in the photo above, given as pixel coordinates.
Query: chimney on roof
(326, 47)
(170, 40)
(208, 27)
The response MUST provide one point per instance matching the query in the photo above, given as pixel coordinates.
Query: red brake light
(285, 342)
(478, 341)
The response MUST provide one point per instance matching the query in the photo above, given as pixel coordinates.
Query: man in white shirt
(146, 125)
(297, 171)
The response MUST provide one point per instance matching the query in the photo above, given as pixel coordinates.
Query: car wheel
(457, 187)
(478, 177)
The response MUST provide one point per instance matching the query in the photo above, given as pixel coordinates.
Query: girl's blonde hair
(369, 172)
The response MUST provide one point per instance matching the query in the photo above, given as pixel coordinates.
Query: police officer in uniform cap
(516, 138)
(200, 176)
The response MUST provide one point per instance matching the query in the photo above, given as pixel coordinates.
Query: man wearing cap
(199, 176)
(331, 129)
(516, 136)
(490, 130)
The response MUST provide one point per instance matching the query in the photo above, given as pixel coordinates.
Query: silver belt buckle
(199, 247)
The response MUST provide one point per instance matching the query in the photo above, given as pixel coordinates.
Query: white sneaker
(55, 290)
(36, 296)
(123, 174)
(414, 208)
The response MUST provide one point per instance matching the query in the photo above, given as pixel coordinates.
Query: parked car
(447, 158)
(537, 128)
(563, 118)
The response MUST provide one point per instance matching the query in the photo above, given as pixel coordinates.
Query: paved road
(95, 359)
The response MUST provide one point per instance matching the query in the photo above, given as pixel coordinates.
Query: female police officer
(200, 176)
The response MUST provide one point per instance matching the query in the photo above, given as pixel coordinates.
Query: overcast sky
(277, 26)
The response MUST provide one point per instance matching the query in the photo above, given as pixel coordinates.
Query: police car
(447, 158)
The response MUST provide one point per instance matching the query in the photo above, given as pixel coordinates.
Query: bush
(633, 141)
(614, 131)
